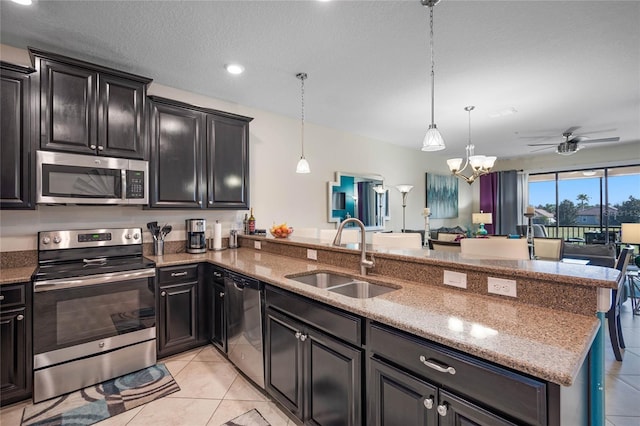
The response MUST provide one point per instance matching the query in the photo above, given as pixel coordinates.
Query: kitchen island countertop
(546, 343)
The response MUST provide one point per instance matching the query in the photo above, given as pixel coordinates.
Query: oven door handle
(59, 284)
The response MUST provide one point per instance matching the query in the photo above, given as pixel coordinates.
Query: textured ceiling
(560, 64)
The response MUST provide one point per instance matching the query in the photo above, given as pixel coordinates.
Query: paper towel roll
(217, 236)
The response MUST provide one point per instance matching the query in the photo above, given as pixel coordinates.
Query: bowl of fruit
(281, 231)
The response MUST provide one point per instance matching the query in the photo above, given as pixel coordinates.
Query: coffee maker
(196, 235)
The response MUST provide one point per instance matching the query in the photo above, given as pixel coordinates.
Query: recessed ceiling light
(234, 68)
(23, 2)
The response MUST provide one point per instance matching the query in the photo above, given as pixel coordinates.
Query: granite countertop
(546, 343)
(16, 275)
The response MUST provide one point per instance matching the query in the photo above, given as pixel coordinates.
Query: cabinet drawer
(12, 295)
(507, 392)
(173, 274)
(332, 321)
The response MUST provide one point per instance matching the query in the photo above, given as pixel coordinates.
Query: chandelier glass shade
(433, 140)
(479, 164)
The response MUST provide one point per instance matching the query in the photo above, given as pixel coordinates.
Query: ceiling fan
(571, 143)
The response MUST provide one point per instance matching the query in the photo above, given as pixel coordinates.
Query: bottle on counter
(252, 223)
(245, 224)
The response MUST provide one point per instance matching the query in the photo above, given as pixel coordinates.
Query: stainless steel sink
(322, 279)
(342, 284)
(361, 289)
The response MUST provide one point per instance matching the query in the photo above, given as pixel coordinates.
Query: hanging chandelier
(480, 164)
(303, 164)
(433, 140)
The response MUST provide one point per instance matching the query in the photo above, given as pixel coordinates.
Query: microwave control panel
(135, 184)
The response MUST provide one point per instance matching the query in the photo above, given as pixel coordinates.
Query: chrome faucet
(364, 263)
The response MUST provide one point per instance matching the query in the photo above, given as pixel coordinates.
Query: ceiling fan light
(303, 166)
(433, 140)
(454, 164)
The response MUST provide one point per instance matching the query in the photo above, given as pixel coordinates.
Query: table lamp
(630, 234)
(480, 219)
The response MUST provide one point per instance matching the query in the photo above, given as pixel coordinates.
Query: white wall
(277, 193)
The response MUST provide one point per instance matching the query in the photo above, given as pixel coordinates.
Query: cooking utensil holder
(158, 247)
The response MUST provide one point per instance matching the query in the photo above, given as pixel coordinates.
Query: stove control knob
(136, 236)
(57, 239)
(46, 240)
(127, 236)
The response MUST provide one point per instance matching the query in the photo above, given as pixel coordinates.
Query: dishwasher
(244, 308)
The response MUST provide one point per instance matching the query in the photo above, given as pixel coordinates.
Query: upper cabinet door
(15, 140)
(121, 117)
(67, 108)
(176, 157)
(227, 162)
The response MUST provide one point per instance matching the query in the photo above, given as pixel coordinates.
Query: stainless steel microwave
(86, 179)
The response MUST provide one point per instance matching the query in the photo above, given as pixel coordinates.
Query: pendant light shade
(303, 164)
(433, 140)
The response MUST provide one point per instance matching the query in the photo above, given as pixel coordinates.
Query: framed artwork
(442, 195)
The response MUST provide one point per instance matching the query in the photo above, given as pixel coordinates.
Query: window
(586, 205)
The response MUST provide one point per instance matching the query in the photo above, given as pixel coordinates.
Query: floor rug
(250, 418)
(107, 399)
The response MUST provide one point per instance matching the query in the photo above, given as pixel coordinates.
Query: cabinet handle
(442, 409)
(100, 148)
(217, 274)
(200, 202)
(222, 294)
(303, 337)
(92, 147)
(1, 297)
(428, 403)
(179, 274)
(20, 317)
(210, 202)
(164, 293)
(298, 334)
(431, 364)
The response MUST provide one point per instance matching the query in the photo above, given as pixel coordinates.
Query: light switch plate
(455, 279)
(312, 254)
(502, 287)
(257, 245)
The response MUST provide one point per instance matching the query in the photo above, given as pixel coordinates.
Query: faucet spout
(364, 263)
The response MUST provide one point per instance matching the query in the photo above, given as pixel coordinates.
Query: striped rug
(107, 399)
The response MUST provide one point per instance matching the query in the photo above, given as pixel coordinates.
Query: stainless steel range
(94, 309)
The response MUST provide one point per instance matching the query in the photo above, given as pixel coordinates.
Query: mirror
(361, 196)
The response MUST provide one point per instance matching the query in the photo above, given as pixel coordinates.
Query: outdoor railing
(577, 232)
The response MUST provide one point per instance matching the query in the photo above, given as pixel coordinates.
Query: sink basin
(342, 284)
(322, 279)
(361, 289)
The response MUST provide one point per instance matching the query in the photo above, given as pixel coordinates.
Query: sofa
(596, 254)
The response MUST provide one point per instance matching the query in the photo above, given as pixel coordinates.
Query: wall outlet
(312, 254)
(455, 279)
(502, 287)
(257, 245)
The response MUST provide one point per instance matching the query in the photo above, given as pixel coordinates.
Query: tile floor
(212, 392)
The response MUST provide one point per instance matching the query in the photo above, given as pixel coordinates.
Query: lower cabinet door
(333, 381)
(218, 325)
(13, 355)
(396, 398)
(178, 325)
(454, 411)
(283, 361)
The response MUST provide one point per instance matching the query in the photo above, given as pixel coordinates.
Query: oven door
(70, 315)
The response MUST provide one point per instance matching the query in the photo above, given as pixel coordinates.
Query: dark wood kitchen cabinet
(179, 309)
(199, 157)
(16, 357)
(414, 381)
(313, 374)
(216, 312)
(16, 154)
(89, 109)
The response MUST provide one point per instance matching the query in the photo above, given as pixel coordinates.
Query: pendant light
(303, 164)
(433, 140)
(480, 164)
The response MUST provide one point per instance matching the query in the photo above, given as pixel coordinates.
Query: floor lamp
(404, 190)
(426, 213)
(380, 190)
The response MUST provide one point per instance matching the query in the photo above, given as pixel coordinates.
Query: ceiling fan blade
(542, 144)
(599, 131)
(571, 129)
(542, 149)
(616, 139)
